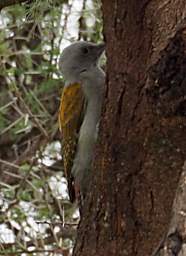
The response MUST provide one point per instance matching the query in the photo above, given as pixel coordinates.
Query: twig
(19, 252)
(63, 29)
(2, 184)
(21, 52)
(13, 175)
(82, 23)
(35, 119)
(39, 103)
(64, 233)
(11, 125)
(8, 163)
(8, 104)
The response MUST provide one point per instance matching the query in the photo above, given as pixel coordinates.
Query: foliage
(34, 208)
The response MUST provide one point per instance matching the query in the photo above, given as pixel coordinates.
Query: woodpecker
(80, 110)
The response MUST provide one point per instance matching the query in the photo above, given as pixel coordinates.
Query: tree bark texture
(142, 143)
(174, 242)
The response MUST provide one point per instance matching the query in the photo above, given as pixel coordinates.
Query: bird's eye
(85, 50)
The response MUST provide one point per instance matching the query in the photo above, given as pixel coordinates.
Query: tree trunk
(142, 143)
(174, 242)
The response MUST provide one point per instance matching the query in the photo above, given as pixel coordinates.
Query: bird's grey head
(79, 58)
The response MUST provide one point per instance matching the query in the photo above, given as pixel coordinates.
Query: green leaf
(25, 196)
(38, 183)
(25, 167)
(45, 213)
(18, 214)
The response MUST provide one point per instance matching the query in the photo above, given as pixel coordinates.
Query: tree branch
(65, 233)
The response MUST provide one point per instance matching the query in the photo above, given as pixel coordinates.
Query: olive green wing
(70, 118)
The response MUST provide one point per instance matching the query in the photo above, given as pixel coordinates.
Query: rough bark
(142, 145)
(174, 242)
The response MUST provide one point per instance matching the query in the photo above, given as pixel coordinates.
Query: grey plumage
(79, 64)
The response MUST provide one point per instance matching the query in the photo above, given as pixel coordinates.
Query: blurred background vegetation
(36, 217)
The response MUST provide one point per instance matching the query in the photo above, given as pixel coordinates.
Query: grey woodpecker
(80, 111)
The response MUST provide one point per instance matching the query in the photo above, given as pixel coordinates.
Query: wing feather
(70, 118)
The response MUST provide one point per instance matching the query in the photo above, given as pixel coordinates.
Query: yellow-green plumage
(70, 117)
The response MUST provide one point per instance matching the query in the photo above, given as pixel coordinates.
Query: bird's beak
(99, 48)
